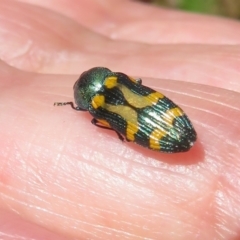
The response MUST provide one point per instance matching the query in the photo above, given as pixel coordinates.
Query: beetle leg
(139, 81)
(68, 103)
(98, 124)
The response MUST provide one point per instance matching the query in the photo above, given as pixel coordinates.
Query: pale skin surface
(62, 178)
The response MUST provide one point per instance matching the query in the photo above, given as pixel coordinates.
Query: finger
(130, 20)
(57, 172)
(62, 46)
(14, 227)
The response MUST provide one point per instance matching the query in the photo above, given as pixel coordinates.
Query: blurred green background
(228, 8)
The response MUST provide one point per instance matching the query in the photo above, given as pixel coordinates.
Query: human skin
(62, 178)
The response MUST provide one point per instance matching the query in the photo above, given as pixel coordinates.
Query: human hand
(60, 173)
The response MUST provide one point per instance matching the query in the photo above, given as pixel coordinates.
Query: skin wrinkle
(206, 100)
(207, 93)
(168, 180)
(214, 114)
(213, 65)
(191, 86)
(61, 149)
(116, 174)
(206, 75)
(15, 22)
(155, 175)
(33, 19)
(130, 167)
(53, 195)
(221, 195)
(133, 25)
(13, 236)
(29, 48)
(21, 51)
(68, 218)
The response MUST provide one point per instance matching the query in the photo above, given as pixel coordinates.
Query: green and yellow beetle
(135, 112)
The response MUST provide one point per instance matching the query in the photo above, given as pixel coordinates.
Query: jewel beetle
(135, 112)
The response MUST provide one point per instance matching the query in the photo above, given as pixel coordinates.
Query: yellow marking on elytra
(171, 114)
(125, 112)
(132, 128)
(110, 82)
(129, 115)
(154, 97)
(98, 101)
(104, 123)
(139, 101)
(155, 137)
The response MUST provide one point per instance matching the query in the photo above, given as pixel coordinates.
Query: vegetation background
(228, 8)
